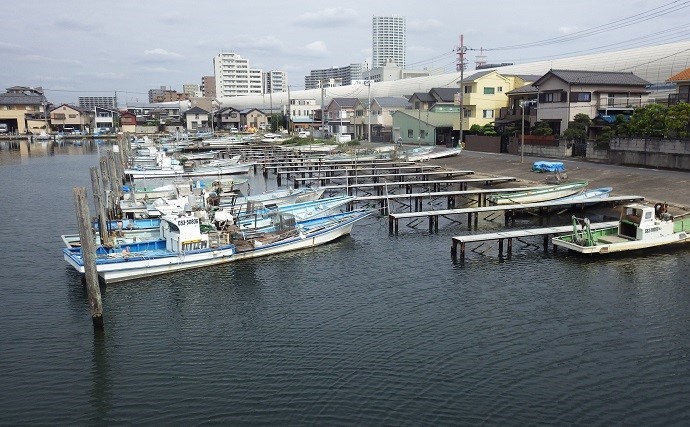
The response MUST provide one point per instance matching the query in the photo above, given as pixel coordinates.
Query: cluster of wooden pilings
(106, 184)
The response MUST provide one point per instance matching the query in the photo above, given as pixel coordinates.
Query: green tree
(542, 128)
(648, 121)
(677, 120)
(488, 130)
(475, 129)
(577, 129)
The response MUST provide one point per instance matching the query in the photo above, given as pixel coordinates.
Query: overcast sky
(93, 48)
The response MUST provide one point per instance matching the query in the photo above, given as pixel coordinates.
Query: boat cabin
(639, 222)
(183, 233)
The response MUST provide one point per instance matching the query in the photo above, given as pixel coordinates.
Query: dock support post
(296, 183)
(88, 250)
(99, 204)
(500, 247)
(265, 172)
(510, 247)
(454, 249)
(278, 179)
(546, 242)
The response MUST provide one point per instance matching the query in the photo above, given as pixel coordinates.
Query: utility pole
(291, 126)
(461, 67)
(323, 111)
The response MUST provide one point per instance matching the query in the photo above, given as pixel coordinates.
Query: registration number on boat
(188, 221)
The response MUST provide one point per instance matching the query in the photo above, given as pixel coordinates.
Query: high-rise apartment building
(234, 77)
(208, 86)
(344, 75)
(275, 81)
(388, 40)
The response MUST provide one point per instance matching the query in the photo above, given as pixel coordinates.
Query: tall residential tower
(388, 40)
(234, 77)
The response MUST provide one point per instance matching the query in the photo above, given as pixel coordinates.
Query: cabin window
(647, 215)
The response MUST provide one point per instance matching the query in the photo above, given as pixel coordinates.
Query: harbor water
(373, 329)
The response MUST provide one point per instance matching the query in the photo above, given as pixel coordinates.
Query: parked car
(4, 128)
(303, 134)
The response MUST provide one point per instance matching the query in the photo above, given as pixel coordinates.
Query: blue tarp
(548, 167)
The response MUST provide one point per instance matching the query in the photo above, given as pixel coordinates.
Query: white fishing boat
(238, 203)
(273, 137)
(178, 171)
(181, 245)
(417, 154)
(223, 142)
(599, 193)
(288, 235)
(541, 194)
(639, 227)
(301, 211)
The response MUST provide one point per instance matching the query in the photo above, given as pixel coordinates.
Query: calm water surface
(372, 329)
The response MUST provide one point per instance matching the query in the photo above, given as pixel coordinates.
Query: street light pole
(522, 136)
(369, 111)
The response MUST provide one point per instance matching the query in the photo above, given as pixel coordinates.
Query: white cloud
(328, 17)
(316, 48)
(423, 26)
(9, 47)
(162, 53)
(568, 30)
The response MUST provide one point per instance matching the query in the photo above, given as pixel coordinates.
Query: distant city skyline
(118, 51)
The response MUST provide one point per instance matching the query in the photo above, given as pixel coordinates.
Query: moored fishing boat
(536, 195)
(181, 245)
(600, 193)
(639, 227)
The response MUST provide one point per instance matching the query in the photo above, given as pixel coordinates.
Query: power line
(605, 28)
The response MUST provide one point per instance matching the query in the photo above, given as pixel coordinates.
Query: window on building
(488, 114)
(499, 89)
(468, 89)
(422, 133)
(489, 91)
(467, 113)
(580, 96)
(410, 133)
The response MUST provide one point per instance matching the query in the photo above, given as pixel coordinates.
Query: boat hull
(538, 195)
(118, 268)
(622, 246)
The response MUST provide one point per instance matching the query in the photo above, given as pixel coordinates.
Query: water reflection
(15, 152)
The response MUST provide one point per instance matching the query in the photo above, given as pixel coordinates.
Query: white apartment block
(303, 108)
(234, 77)
(275, 81)
(388, 40)
(192, 90)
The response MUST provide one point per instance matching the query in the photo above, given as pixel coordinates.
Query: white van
(303, 134)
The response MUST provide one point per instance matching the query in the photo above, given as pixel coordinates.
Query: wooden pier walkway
(397, 177)
(508, 210)
(434, 186)
(545, 232)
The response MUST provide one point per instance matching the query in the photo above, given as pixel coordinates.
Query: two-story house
(430, 118)
(227, 118)
(562, 94)
(21, 104)
(682, 81)
(381, 117)
(340, 114)
(107, 120)
(197, 118)
(66, 118)
(253, 119)
(303, 114)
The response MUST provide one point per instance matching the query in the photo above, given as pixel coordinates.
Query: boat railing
(582, 233)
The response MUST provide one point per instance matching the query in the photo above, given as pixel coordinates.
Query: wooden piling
(88, 251)
(99, 204)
